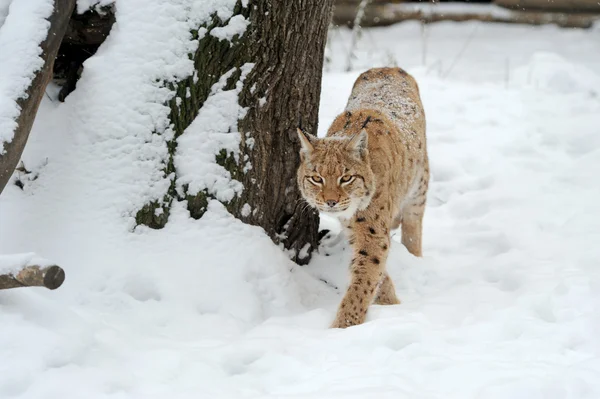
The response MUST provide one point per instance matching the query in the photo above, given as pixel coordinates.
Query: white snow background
(504, 303)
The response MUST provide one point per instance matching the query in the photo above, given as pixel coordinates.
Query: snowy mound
(550, 71)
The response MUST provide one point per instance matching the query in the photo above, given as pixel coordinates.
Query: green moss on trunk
(212, 59)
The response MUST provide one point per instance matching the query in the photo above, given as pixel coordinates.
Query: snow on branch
(25, 27)
(29, 41)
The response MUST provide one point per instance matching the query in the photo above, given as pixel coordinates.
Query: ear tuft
(359, 143)
(306, 140)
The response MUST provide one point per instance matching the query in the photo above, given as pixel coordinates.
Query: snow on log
(383, 14)
(27, 270)
(554, 5)
(30, 38)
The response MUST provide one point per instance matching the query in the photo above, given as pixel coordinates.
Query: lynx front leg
(370, 240)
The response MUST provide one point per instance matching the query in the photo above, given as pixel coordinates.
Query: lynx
(371, 171)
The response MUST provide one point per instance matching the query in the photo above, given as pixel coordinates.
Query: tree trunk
(85, 33)
(50, 277)
(285, 42)
(32, 97)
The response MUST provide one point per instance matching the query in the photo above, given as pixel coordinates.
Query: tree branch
(32, 97)
(50, 277)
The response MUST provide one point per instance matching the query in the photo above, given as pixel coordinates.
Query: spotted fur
(372, 172)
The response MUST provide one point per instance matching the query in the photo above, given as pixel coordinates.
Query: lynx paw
(347, 319)
(343, 323)
(387, 298)
(386, 301)
(386, 294)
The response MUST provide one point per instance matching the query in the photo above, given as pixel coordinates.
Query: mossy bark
(212, 59)
(285, 41)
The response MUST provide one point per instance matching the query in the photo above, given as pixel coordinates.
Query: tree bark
(84, 35)
(50, 277)
(288, 42)
(285, 41)
(31, 99)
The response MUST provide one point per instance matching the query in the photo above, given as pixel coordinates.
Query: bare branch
(32, 97)
(50, 277)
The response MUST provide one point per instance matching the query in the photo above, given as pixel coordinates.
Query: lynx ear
(306, 140)
(359, 143)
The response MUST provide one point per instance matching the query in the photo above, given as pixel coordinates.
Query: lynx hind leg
(396, 222)
(387, 293)
(412, 230)
(412, 226)
(412, 215)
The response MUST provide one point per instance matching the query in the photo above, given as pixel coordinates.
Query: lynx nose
(331, 203)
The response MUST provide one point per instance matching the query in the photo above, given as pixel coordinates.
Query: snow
(12, 264)
(23, 26)
(202, 10)
(236, 26)
(246, 210)
(452, 9)
(504, 303)
(549, 71)
(4, 4)
(85, 5)
(214, 129)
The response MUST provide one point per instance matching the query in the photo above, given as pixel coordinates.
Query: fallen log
(568, 6)
(378, 14)
(50, 277)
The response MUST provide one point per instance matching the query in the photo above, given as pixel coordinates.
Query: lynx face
(335, 176)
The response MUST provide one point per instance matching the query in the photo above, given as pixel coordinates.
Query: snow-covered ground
(504, 304)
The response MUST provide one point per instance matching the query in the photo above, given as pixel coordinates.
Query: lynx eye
(316, 179)
(346, 178)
